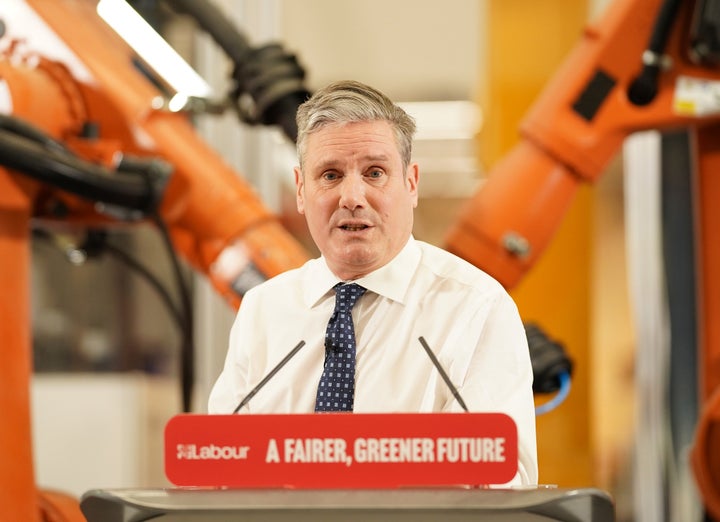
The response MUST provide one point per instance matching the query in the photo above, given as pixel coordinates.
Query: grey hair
(351, 102)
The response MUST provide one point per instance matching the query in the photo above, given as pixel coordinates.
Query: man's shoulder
(446, 265)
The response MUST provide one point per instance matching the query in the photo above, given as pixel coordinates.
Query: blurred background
(106, 350)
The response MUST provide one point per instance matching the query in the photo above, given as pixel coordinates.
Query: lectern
(344, 467)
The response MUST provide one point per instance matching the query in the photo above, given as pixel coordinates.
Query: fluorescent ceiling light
(152, 48)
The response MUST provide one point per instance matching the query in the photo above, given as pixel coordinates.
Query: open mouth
(354, 228)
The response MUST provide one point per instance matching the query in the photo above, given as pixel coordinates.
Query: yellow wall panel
(526, 42)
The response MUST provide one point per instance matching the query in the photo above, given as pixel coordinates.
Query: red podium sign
(341, 450)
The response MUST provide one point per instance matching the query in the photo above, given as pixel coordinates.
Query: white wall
(100, 430)
(411, 49)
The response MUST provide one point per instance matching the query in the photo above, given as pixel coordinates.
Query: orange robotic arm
(570, 134)
(206, 205)
(627, 74)
(80, 96)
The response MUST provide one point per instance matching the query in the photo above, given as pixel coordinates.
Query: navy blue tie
(336, 391)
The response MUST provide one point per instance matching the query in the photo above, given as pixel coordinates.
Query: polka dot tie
(336, 390)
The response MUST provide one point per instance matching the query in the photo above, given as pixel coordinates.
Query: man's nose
(352, 192)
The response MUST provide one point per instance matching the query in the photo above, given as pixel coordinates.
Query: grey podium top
(451, 504)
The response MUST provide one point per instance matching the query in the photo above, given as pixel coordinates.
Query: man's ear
(299, 185)
(412, 175)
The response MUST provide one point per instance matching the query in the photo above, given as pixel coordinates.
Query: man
(357, 188)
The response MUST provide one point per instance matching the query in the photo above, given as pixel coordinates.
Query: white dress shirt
(466, 317)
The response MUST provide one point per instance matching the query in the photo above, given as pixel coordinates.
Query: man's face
(356, 196)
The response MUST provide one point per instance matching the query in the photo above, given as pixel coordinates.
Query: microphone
(269, 376)
(444, 375)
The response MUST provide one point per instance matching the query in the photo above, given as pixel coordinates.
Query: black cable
(644, 88)
(548, 358)
(213, 21)
(269, 81)
(150, 278)
(146, 168)
(187, 352)
(24, 129)
(182, 316)
(60, 168)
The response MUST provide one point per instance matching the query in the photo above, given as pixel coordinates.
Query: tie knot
(346, 295)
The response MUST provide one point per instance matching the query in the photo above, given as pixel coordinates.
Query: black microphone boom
(444, 375)
(269, 376)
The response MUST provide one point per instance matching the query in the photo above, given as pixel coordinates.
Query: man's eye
(375, 173)
(330, 176)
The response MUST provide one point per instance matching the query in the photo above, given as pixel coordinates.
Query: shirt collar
(391, 281)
